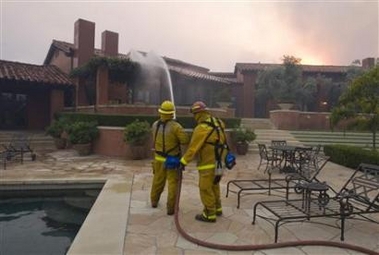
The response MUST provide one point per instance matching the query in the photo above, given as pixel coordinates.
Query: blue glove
(172, 162)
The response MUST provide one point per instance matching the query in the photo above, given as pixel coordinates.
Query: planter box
(110, 143)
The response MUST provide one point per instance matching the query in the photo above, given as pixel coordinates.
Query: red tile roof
(174, 65)
(15, 71)
(198, 75)
(306, 68)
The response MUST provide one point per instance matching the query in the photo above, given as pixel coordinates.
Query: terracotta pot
(83, 149)
(286, 106)
(242, 148)
(60, 143)
(138, 151)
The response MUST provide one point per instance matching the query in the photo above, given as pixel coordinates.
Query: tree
(291, 85)
(307, 94)
(361, 99)
(285, 84)
(356, 62)
(268, 83)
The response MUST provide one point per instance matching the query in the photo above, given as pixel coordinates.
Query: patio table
(291, 155)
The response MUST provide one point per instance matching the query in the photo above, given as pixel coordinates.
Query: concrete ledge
(104, 229)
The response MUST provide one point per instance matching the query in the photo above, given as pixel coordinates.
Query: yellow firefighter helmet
(167, 107)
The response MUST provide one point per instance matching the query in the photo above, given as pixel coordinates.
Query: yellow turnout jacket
(202, 145)
(168, 136)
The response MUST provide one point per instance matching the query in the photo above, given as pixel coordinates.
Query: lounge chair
(306, 171)
(357, 198)
(18, 147)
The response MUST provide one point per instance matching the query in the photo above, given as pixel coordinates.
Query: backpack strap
(163, 153)
(218, 146)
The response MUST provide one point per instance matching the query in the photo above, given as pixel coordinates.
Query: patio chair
(19, 146)
(358, 198)
(271, 159)
(276, 153)
(278, 142)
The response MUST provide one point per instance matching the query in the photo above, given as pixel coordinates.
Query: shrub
(82, 132)
(137, 132)
(57, 127)
(242, 135)
(351, 156)
(120, 120)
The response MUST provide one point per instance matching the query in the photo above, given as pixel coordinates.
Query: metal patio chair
(19, 145)
(358, 198)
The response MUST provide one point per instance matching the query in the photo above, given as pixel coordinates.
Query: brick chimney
(368, 63)
(84, 41)
(109, 43)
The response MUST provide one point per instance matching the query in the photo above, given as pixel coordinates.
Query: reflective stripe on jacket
(202, 146)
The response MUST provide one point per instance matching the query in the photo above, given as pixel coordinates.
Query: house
(189, 82)
(247, 73)
(49, 86)
(30, 95)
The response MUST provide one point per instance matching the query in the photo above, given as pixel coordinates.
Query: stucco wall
(297, 120)
(62, 61)
(110, 143)
(147, 110)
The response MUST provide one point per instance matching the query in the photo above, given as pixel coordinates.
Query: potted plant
(223, 97)
(56, 130)
(137, 134)
(241, 138)
(81, 134)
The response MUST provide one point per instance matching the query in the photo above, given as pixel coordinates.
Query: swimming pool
(43, 219)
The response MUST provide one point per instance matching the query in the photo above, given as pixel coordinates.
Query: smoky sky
(341, 31)
(212, 34)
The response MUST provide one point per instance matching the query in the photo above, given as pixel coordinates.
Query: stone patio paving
(151, 231)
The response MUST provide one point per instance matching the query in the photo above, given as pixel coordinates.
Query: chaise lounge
(359, 197)
(306, 171)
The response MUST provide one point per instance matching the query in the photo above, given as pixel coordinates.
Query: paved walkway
(151, 231)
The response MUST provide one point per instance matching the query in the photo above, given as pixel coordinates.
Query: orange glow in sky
(311, 60)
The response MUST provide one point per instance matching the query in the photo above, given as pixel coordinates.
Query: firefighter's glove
(172, 162)
(217, 179)
(182, 167)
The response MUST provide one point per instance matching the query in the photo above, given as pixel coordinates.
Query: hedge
(121, 120)
(351, 156)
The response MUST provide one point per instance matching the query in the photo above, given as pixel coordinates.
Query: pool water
(42, 225)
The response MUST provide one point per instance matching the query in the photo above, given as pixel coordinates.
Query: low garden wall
(110, 143)
(298, 120)
(141, 109)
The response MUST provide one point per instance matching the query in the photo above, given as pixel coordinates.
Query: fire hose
(258, 246)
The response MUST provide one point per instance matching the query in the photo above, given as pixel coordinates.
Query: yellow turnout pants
(159, 181)
(209, 193)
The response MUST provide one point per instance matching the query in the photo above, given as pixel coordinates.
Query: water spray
(155, 63)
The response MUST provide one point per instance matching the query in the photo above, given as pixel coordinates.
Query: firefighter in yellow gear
(202, 144)
(168, 137)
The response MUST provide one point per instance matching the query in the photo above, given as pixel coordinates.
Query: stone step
(361, 139)
(257, 123)
(265, 136)
(38, 140)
